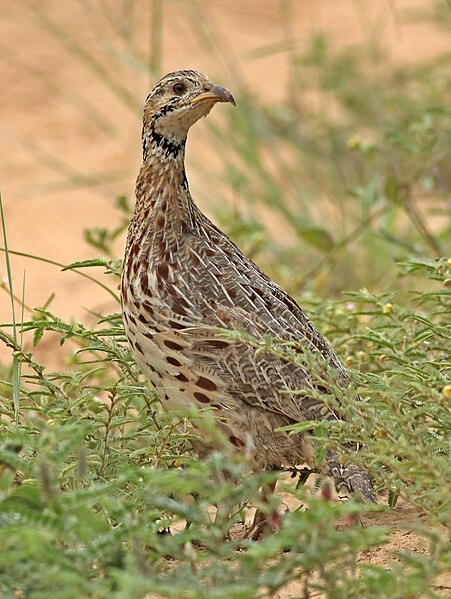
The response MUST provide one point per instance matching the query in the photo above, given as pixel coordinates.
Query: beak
(215, 94)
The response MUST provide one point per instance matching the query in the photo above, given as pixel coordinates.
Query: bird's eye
(179, 88)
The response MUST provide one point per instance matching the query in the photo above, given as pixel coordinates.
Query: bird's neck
(162, 187)
(164, 209)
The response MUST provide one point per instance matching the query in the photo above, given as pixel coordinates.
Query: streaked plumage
(183, 279)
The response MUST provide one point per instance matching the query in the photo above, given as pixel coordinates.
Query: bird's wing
(234, 294)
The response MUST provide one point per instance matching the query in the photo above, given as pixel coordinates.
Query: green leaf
(300, 427)
(319, 238)
(37, 336)
(392, 498)
(87, 263)
(87, 524)
(391, 189)
(26, 496)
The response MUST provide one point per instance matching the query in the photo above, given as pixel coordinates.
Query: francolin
(184, 281)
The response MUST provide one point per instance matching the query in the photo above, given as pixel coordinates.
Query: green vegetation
(93, 472)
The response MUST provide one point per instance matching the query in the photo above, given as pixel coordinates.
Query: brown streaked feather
(183, 280)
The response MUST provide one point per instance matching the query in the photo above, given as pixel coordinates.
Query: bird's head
(176, 102)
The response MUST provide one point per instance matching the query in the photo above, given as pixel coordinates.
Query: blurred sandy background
(69, 145)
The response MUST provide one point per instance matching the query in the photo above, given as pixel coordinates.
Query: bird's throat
(156, 145)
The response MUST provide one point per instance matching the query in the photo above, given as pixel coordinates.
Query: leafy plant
(97, 483)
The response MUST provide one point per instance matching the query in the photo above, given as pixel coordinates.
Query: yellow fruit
(387, 309)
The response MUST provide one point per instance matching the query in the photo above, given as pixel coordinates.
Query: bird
(184, 283)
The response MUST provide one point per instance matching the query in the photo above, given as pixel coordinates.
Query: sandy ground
(69, 145)
(402, 519)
